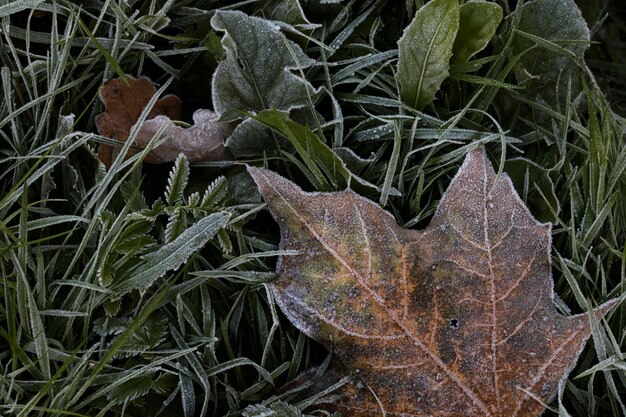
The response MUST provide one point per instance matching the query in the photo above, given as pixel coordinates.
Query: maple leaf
(453, 320)
(124, 100)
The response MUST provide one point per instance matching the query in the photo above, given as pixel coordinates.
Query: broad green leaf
(425, 49)
(257, 72)
(288, 11)
(478, 23)
(175, 253)
(317, 156)
(252, 138)
(326, 168)
(561, 23)
(354, 162)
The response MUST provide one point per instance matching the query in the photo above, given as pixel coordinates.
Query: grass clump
(143, 289)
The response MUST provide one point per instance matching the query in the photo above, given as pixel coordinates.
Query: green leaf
(478, 23)
(323, 163)
(131, 389)
(545, 71)
(252, 138)
(215, 193)
(425, 49)
(150, 335)
(174, 254)
(257, 72)
(177, 181)
(288, 11)
(176, 224)
(134, 237)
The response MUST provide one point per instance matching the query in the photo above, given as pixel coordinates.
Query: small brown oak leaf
(124, 101)
(454, 320)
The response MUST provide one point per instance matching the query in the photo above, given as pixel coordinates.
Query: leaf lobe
(457, 319)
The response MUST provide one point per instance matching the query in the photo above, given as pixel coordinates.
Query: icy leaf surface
(288, 11)
(253, 138)
(478, 23)
(204, 141)
(172, 255)
(425, 49)
(453, 320)
(124, 100)
(557, 21)
(257, 72)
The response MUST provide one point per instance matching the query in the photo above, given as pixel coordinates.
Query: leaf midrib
(435, 359)
(426, 57)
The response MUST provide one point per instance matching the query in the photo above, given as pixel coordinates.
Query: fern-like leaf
(177, 181)
(176, 224)
(150, 335)
(224, 240)
(215, 193)
(193, 200)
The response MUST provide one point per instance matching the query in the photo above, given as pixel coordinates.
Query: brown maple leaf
(124, 100)
(453, 320)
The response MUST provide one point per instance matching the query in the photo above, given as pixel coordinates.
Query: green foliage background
(143, 290)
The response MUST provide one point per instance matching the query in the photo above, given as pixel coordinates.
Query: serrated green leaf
(134, 237)
(194, 199)
(174, 254)
(551, 20)
(251, 138)
(215, 193)
(288, 11)
(150, 335)
(177, 181)
(131, 389)
(106, 273)
(224, 240)
(425, 49)
(477, 25)
(112, 307)
(176, 224)
(257, 72)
